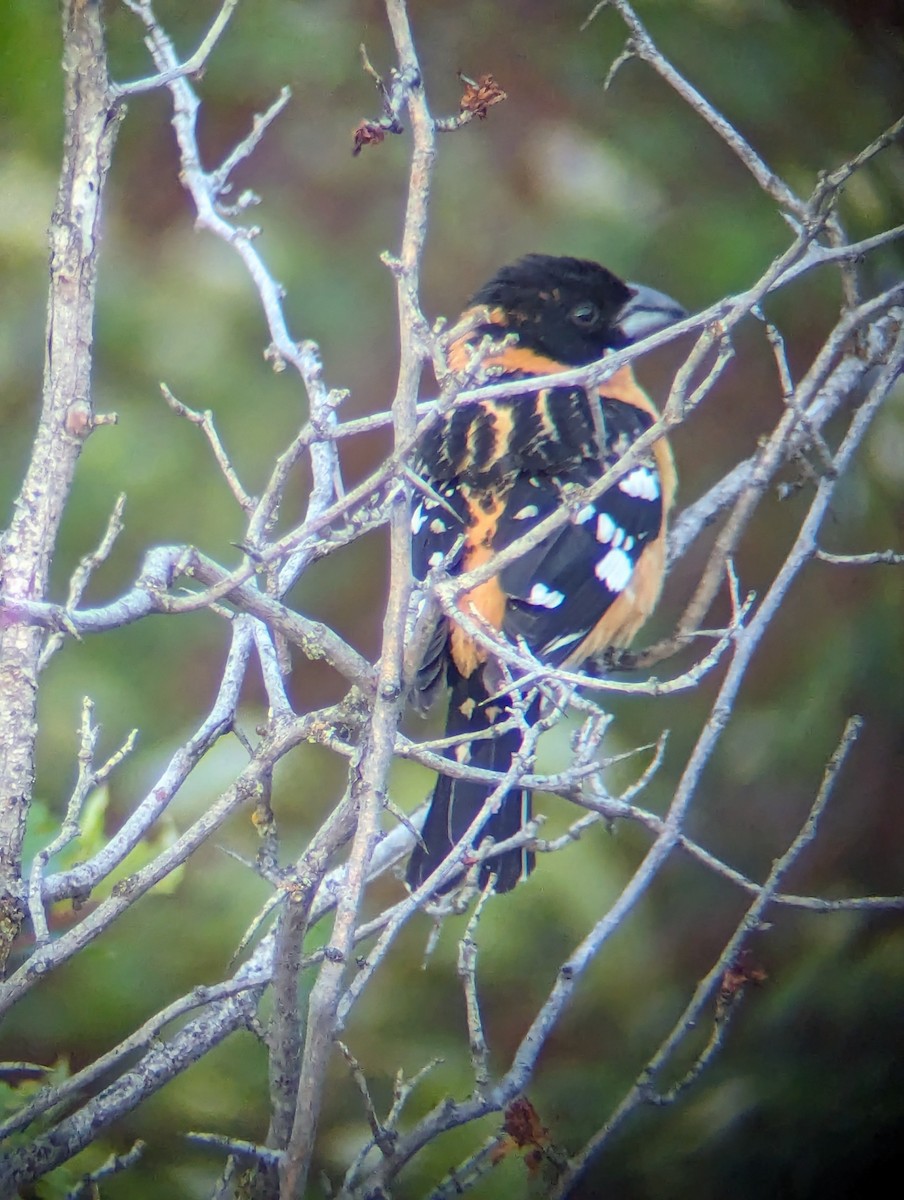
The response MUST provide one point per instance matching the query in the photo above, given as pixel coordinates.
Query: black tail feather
(456, 802)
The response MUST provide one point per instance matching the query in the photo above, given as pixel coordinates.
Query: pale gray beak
(647, 312)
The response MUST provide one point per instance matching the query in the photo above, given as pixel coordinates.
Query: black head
(574, 310)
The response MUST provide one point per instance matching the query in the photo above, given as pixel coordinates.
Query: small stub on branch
(79, 419)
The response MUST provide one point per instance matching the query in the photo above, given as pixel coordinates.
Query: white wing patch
(418, 517)
(608, 533)
(614, 569)
(544, 597)
(641, 483)
(605, 528)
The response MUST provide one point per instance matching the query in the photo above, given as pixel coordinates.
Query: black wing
(535, 449)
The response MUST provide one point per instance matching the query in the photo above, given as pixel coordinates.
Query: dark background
(806, 1099)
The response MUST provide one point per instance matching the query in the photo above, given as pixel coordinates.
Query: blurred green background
(807, 1098)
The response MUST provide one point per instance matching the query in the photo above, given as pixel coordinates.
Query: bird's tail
(456, 802)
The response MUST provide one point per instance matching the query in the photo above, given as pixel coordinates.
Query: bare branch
(640, 45)
(89, 777)
(191, 66)
(887, 557)
(67, 419)
(150, 594)
(370, 775)
(82, 575)
(467, 971)
(237, 1147)
(382, 1136)
(245, 148)
(86, 1188)
(205, 421)
(144, 1037)
(641, 1092)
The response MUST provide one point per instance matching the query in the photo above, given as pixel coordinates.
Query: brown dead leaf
(523, 1125)
(367, 134)
(522, 1130)
(736, 977)
(480, 95)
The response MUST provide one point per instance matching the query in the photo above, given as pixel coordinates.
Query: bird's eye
(585, 315)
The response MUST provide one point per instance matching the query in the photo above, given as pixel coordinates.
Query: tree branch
(67, 419)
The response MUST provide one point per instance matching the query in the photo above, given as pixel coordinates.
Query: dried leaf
(736, 977)
(480, 95)
(523, 1125)
(523, 1130)
(367, 134)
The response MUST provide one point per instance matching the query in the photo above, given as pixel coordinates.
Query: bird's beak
(647, 312)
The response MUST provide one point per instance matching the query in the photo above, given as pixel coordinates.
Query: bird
(491, 470)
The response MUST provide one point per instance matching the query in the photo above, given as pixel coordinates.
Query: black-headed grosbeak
(494, 469)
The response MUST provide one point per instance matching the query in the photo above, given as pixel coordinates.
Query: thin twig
(891, 558)
(191, 66)
(147, 1035)
(641, 1092)
(467, 971)
(236, 1147)
(205, 422)
(641, 46)
(382, 1137)
(81, 576)
(89, 777)
(86, 1188)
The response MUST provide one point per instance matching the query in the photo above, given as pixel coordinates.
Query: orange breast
(487, 600)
